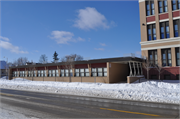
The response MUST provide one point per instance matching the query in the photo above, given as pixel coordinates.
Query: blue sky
(94, 30)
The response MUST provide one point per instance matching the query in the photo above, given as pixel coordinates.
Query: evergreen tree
(55, 57)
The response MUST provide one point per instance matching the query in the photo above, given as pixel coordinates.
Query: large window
(166, 57)
(149, 7)
(43, 73)
(65, 72)
(53, 73)
(177, 57)
(153, 56)
(151, 29)
(15, 74)
(99, 71)
(34, 73)
(81, 72)
(175, 4)
(163, 6)
(164, 29)
(39, 73)
(176, 28)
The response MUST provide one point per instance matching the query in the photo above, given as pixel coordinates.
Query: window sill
(175, 10)
(150, 15)
(163, 13)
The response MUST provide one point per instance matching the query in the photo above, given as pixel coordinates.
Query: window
(149, 7)
(99, 71)
(42, 73)
(65, 72)
(81, 72)
(166, 57)
(176, 28)
(20, 73)
(167, 76)
(34, 73)
(177, 57)
(39, 73)
(153, 56)
(164, 29)
(15, 73)
(29, 73)
(163, 7)
(151, 32)
(175, 4)
(53, 73)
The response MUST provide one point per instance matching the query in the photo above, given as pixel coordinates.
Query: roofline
(116, 59)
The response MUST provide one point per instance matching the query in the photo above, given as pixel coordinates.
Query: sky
(92, 29)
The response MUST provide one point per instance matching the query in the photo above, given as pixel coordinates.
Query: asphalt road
(48, 105)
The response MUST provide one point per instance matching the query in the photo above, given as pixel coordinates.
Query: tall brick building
(160, 35)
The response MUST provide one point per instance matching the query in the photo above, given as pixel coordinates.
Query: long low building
(110, 70)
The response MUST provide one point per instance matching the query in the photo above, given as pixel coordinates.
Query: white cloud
(4, 38)
(102, 44)
(8, 46)
(90, 18)
(64, 37)
(102, 49)
(80, 39)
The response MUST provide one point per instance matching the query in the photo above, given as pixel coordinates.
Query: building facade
(111, 70)
(160, 35)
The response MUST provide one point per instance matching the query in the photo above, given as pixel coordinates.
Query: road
(48, 105)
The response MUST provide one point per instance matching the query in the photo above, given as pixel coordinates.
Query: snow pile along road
(152, 91)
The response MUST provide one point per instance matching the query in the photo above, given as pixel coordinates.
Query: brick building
(160, 35)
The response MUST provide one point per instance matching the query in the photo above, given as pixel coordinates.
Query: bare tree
(20, 61)
(147, 65)
(6, 67)
(43, 59)
(31, 69)
(68, 62)
(159, 68)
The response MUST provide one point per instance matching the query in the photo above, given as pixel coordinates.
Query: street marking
(129, 112)
(6, 94)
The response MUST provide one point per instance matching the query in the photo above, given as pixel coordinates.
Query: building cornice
(161, 47)
(160, 41)
(141, 0)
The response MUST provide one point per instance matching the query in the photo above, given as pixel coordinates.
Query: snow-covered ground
(167, 91)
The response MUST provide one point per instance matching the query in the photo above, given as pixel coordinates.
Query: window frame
(97, 72)
(176, 22)
(154, 56)
(177, 4)
(149, 2)
(167, 60)
(151, 27)
(164, 25)
(65, 73)
(163, 6)
(177, 59)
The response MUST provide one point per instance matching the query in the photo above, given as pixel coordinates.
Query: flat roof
(112, 60)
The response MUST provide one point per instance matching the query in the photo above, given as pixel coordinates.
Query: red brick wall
(173, 71)
(163, 16)
(176, 13)
(150, 19)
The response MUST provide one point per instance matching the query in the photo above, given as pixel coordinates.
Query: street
(48, 105)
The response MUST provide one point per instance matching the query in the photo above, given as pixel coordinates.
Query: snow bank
(152, 91)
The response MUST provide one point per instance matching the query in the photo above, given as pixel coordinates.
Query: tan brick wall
(142, 12)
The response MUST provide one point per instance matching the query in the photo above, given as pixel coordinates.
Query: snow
(167, 91)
